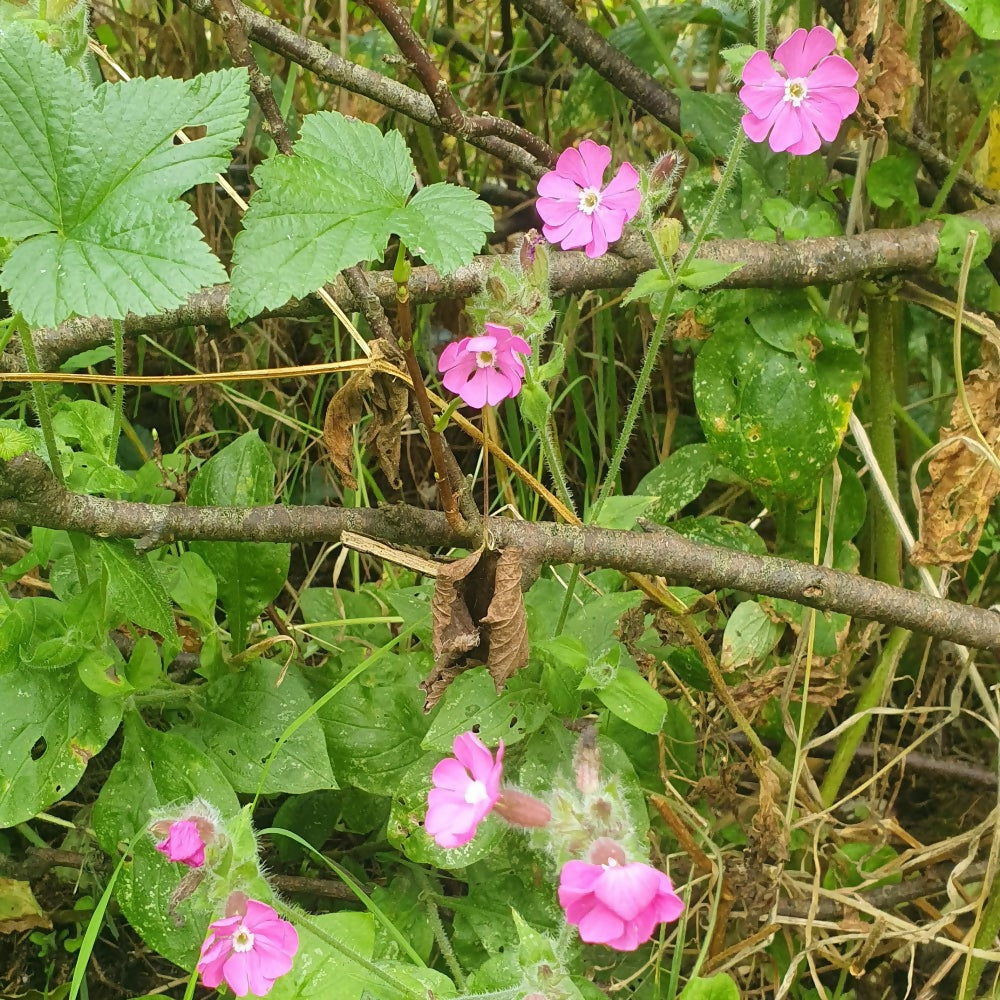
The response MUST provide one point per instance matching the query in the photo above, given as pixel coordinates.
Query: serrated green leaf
(89, 179)
(336, 202)
(701, 274)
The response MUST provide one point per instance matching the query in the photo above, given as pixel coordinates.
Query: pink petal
(612, 222)
(834, 71)
(763, 98)
(454, 354)
(668, 907)
(600, 926)
(497, 389)
(457, 378)
(598, 245)
(450, 774)
(823, 115)
(758, 71)
(235, 972)
(787, 128)
(468, 747)
(594, 160)
(557, 213)
(475, 346)
(575, 232)
(630, 938)
(555, 187)
(622, 193)
(755, 128)
(801, 51)
(501, 333)
(577, 878)
(476, 390)
(258, 914)
(628, 889)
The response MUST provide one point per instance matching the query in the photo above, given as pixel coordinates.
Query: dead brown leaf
(478, 617)
(964, 483)
(891, 72)
(388, 398)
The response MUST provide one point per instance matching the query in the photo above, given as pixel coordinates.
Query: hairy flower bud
(521, 809)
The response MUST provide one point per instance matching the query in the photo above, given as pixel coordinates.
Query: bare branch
(29, 494)
(879, 253)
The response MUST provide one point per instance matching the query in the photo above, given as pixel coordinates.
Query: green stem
(966, 149)
(444, 945)
(349, 953)
(554, 462)
(41, 401)
(871, 696)
(882, 394)
(118, 407)
(989, 925)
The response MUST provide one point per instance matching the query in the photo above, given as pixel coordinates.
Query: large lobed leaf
(89, 180)
(336, 202)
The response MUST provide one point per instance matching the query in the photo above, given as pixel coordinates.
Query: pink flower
(249, 949)
(484, 369)
(184, 843)
(814, 95)
(578, 211)
(613, 902)
(465, 790)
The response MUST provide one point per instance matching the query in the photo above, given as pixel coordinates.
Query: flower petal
(628, 889)
(595, 159)
(598, 245)
(468, 747)
(802, 50)
(575, 232)
(823, 115)
(787, 128)
(622, 192)
(834, 71)
(755, 128)
(758, 71)
(554, 186)
(450, 774)
(600, 925)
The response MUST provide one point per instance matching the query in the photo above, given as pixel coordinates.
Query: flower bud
(668, 171)
(521, 809)
(533, 256)
(587, 760)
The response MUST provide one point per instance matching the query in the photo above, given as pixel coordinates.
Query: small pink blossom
(809, 100)
(484, 370)
(185, 841)
(249, 949)
(466, 788)
(615, 902)
(576, 207)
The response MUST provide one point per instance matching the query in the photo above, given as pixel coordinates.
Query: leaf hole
(38, 750)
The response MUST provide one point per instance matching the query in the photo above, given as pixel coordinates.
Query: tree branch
(594, 50)
(334, 69)
(29, 494)
(829, 260)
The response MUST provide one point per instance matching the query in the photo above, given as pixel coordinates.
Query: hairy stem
(118, 406)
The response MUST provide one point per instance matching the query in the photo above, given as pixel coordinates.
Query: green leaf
(89, 179)
(749, 636)
(630, 697)
(472, 700)
(678, 480)
(719, 987)
(648, 284)
(953, 237)
(135, 593)
(53, 724)
(701, 274)
(622, 512)
(249, 574)
(375, 724)
(776, 420)
(337, 202)
(983, 16)
(157, 770)
(709, 121)
(893, 179)
(238, 719)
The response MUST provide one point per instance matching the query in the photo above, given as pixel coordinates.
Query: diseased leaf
(89, 180)
(749, 636)
(455, 632)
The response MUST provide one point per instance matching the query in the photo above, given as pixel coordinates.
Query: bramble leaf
(89, 180)
(336, 202)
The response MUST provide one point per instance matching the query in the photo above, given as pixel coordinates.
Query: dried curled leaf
(478, 616)
(891, 72)
(964, 482)
(388, 398)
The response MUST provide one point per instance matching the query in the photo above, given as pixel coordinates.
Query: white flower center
(242, 939)
(796, 91)
(590, 201)
(611, 863)
(485, 359)
(476, 793)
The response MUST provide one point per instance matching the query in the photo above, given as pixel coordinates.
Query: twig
(830, 260)
(467, 126)
(260, 85)
(590, 47)
(30, 495)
